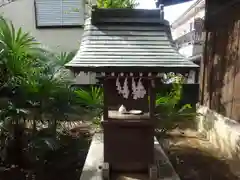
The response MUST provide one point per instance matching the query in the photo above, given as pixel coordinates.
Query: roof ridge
(126, 15)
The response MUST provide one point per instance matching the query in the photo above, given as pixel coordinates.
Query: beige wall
(21, 13)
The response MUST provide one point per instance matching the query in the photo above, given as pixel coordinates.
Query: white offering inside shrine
(122, 109)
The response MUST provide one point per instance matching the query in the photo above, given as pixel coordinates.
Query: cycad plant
(18, 50)
(30, 89)
(54, 66)
(92, 100)
(117, 4)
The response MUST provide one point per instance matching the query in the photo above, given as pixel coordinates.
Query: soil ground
(195, 159)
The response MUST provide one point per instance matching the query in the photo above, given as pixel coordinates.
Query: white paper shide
(138, 90)
(123, 90)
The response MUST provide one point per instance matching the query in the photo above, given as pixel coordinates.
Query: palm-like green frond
(92, 98)
(19, 51)
(116, 4)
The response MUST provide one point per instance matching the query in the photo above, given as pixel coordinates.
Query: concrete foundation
(94, 160)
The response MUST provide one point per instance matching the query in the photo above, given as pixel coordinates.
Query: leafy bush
(92, 100)
(116, 4)
(37, 91)
(168, 113)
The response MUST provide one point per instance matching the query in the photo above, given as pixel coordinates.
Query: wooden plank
(127, 42)
(125, 48)
(124, 33)
(117, 57)
(132, 53)
(148, 28)
(126, 38)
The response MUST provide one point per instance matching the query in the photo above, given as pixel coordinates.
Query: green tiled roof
(127, 38)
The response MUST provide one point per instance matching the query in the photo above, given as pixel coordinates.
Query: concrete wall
(21, 13)
(186, 51)
(191, 50)
(222, 132)
(86, 78)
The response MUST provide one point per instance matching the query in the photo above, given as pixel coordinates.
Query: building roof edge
(184, 17)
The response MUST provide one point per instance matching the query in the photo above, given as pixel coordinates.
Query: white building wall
(21, 13)
(185, 28)
(191, 50)
(188, 50)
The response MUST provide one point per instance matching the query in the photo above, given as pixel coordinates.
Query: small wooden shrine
(130, 49)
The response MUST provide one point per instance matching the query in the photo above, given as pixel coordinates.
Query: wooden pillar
(152, 107)
(152, 98)
(105, 100)
(196, 77)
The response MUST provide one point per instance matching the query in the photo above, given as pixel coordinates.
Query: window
(59, 13)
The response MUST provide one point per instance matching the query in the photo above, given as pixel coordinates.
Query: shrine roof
(171, 2)
(119, 39)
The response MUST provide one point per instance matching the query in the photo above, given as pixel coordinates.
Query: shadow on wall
(221, 131)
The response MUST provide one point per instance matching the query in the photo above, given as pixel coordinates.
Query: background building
(187, 31)
(56, 24)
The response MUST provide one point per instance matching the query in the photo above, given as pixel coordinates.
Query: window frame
(60, 25)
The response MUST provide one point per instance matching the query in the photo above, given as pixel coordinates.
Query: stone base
(95, 169)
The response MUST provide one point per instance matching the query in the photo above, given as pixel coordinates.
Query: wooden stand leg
(105, 171)
(153, 172)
